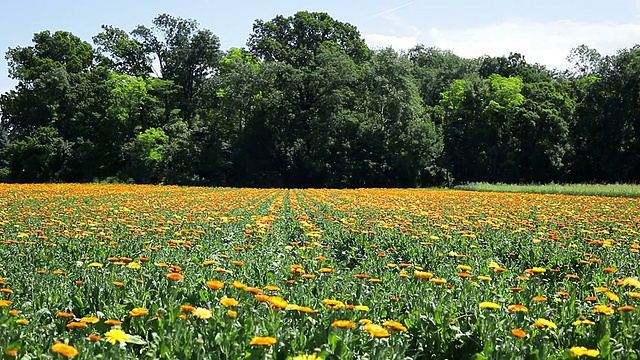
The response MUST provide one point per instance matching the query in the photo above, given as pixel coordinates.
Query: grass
(623, 190)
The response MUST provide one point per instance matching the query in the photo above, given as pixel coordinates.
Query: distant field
(137, 272)
(627, 190)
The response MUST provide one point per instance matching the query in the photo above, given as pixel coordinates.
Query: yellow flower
(464, 267)
(612, 296)
(422, 274)
(489, 305)
(583, 322)
(361, 308)
(116, 336)
(64, 349)
(4, 303)
(583, 351)
(90, 319)
(202, 313)
(232, 314)
(376, 330)
(345, 324)
(95, 264)
(263, 340)
(545, 324)
(229, 301)
(22, 321)
(438, 281)
(135, 312)
(603, 309)
(277, 302)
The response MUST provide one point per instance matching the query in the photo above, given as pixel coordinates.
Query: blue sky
(542, 30)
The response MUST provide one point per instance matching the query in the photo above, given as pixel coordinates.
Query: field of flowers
(126, 272)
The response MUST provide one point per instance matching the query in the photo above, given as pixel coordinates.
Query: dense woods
(308, 104)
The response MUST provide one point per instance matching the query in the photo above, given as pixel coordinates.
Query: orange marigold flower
(519, 333)
(515, 288)
(11, 352)
(539, 298)
(517, 308)
(174, 276)
(76, 325)
(591, 298)
(627, 308)
(333, 304)
(14, 312)
(117, 283)
(262, 297)
(6, 291)
(112, 322)
(345, 324)
(438, 281)
(326, 270)
(135, 312)
(187, 308)
(237, 263)
(609, 269)
(215, 284)
(64, 349)
(94, 337)
(253, 290)
(277, 302)
(362, 276)
(464, 275)
(61, 314)
(238, 284)
(422, 274)
(272, 288)
(263, 341)
(394, 325)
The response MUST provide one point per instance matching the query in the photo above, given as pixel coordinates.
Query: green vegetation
(163, 272)
(627, 190)
(307, 104)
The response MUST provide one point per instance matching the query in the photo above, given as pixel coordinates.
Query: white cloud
(379, 41)
(547, 43)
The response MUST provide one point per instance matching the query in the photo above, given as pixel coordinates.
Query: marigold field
(126, 272)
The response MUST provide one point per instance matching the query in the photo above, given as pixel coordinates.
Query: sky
(544, 31)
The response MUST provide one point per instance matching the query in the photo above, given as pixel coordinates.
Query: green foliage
(309, 104)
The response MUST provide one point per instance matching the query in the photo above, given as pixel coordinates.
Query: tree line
(308, 104)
